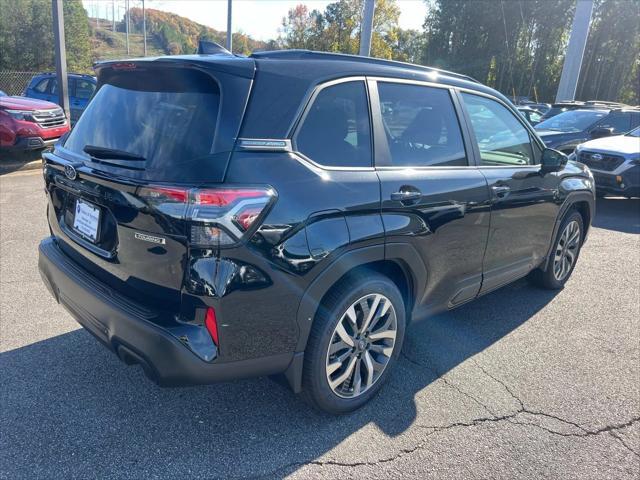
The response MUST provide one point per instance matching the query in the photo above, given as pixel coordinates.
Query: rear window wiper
(112, 154)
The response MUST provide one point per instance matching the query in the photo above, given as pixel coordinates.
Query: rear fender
(402, 253)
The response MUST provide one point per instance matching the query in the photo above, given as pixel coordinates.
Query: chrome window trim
(302, 158)
(305, 111)
(452, 96)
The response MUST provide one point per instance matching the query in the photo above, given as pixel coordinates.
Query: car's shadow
(619, 214)
(70, 408)
(14, 161)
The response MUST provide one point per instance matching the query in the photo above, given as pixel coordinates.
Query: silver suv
(615, 163)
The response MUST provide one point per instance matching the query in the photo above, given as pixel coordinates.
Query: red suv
(29, 124)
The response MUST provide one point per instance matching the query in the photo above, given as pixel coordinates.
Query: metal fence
(14, 83)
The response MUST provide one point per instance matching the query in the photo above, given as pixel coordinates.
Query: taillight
(217, 216)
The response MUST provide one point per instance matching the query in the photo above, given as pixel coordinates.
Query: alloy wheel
(361, 345)
(566, 250)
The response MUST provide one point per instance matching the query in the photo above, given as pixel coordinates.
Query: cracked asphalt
(523, 383)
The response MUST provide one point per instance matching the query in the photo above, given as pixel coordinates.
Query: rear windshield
(167, 117)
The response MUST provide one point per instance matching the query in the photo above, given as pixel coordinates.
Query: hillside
(167, 34)
(107, 45)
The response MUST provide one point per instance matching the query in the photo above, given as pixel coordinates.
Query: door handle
(500, 191)
(406, 195)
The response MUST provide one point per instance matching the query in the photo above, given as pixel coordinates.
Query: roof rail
(570, 102)
(297, 54)
(604, 102)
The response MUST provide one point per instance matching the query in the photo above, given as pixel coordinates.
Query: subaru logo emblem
(70, 172)
(596, 156)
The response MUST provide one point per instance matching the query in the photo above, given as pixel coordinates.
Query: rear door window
(336, 130)
(84, 89)
(42, 86)
(166, 118)
(421, 125)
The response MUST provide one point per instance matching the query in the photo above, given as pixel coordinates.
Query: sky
(258, 18)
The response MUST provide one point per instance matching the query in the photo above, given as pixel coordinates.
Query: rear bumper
(122, 327)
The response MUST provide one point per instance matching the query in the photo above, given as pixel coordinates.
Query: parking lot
(523, 383)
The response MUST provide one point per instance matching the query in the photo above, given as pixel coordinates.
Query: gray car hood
(623, 144)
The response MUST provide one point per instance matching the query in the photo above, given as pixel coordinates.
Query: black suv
(569, 129)
(215, 217)
(561, 107)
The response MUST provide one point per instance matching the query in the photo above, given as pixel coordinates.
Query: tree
(513, 46)
(338, 28)
(26, 36)
(612, 57)
(297, 27)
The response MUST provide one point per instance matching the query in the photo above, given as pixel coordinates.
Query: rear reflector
(211, 324)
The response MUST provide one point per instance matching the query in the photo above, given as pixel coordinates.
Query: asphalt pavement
(523, 383)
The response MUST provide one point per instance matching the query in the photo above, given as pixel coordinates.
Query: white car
(615, 163)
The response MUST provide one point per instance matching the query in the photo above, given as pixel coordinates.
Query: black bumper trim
(31, 143)
(125, 328)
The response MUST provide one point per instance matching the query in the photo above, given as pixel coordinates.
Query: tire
(561, 264)
(369, 359)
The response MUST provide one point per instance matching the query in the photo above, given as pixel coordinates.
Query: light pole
(61, 56)
(575, 51)
(367, 27)
(144, 29)
(126, 15)
(229, 35)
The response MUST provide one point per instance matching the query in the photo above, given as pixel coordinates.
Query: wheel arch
(404, 267)
(581, 201)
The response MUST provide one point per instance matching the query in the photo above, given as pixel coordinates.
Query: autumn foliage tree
(26, 35)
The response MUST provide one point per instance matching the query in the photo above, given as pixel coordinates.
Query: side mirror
(553, 160)
(600, 132)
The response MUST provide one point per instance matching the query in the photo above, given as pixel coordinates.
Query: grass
(108, 45)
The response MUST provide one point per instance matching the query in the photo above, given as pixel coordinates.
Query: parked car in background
(237, 223)
(533, 116)
(561, 107)
(541, 107)
(614, 162)
(565, 131)
(29, 124)
(45, 87)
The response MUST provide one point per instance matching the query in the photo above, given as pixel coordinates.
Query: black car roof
(283, 80)
(343, 57)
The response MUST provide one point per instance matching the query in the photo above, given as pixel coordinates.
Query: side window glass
(620, 122)
(336, 131)
(501, 138)
(421, 126)
(84, 89)
(42, 85)
(54, 86)
(534, 117)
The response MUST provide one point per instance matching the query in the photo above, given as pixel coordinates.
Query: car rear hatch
(119, 184)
